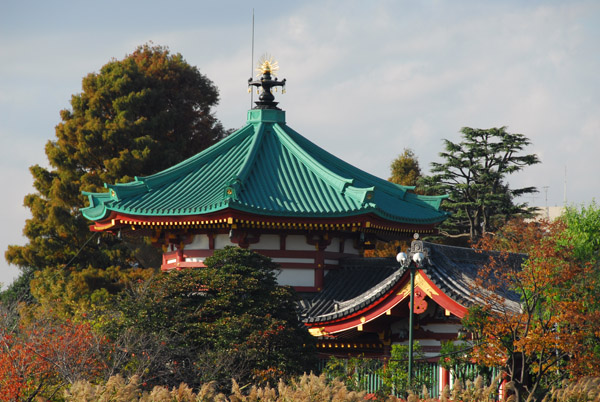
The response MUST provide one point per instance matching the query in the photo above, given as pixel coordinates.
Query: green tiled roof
(265, 168)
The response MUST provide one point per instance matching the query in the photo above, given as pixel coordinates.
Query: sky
(364, 79)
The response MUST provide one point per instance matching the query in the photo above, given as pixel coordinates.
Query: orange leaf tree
(39, 359)
(545, 336)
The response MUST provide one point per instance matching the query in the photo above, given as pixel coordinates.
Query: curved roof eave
(105, 210)
(97, 210)
(452, 275)
(362, 211)
(361, 301)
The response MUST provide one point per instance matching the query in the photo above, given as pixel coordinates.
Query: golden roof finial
(267, 65)
(267, 69)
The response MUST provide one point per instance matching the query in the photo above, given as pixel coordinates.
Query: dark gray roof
(357, 283)
(455, 269)
(360, 281)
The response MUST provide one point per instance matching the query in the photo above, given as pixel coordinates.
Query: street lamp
(413, 259)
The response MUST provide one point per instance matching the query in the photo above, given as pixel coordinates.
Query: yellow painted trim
(317, 331)
(421, 283)
(104, 227)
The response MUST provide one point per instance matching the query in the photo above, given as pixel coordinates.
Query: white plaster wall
(334, 246)
(296, 277)
(222, 240)
(349, 247)
(266, 242)
(200, 242)
(283, 260)
(271, 242)
(296, 242)
(195, 259)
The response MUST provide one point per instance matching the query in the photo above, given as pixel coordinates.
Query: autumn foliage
(41, 358)
(549, 333)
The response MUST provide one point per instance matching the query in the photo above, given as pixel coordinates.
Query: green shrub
(394, 374)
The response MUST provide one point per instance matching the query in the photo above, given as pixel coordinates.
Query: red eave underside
(231, 216)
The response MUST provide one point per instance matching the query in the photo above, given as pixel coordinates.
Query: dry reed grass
(308, 388)
(587, 389)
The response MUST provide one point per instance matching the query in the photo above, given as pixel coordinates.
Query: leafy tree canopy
(38, 360)
(136, 116)
(583, 227)
(405, 169)
(228, 320)
(553, 333)
(582, 235)
(473, 173)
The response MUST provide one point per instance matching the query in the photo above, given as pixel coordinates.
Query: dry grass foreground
(306, 388)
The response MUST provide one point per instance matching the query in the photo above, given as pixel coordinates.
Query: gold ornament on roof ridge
(267, 64)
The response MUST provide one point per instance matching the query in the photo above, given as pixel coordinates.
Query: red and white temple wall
(304, 261)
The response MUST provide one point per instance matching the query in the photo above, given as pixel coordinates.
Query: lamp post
(413, 259)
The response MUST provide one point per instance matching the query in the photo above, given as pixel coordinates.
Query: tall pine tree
(474, 174)
(137, 116)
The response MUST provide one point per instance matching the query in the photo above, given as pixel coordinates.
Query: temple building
(267, 188)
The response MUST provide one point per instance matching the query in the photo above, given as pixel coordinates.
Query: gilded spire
(267, 69)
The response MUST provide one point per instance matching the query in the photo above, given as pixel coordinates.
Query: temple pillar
(444, 379)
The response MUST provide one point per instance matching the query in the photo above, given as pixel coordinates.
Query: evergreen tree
(136, 116)
(228, 320)
(474, 174)
(405, 169)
